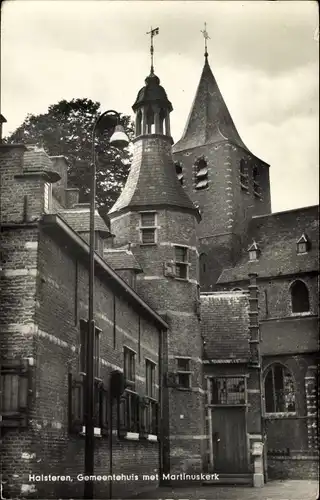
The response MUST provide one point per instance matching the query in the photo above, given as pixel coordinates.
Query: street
(274, 490)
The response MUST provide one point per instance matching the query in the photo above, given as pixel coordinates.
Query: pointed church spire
(209, 121)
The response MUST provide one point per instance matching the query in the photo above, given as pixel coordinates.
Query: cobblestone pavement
(273, 490)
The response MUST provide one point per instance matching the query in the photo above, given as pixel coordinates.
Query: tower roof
(209, 120)
(152, 181)
(152, 93)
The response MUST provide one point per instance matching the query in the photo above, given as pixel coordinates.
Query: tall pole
(89, 437)
(89, 386)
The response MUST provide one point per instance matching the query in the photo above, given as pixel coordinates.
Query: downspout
(209, 420)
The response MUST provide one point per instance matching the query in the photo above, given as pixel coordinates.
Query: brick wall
(184, 408)
(44, 297)
(226, 209)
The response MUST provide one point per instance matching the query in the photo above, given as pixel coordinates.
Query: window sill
(280, 415)
(131, 436)
(148, 244)
(305, 313)
(96, 431)
(153, 438)
(183, 388)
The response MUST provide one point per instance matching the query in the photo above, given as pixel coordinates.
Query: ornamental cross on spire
(152, 33)
(206, 37)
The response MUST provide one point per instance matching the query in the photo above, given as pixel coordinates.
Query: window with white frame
(181, 262)
(183, 372)
(47, 197)
(129, 365)
(148, 227)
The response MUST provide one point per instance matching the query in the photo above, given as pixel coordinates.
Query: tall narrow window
(279, 390)
(150, 379)
(129, 367)
(244, 181)
(299, 297)
(183, 372)
(181, 262)
(179, 172)
(148, 228)
(47, 197)
(256, 185)
(201, 173)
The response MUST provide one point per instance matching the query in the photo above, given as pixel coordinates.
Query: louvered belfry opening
(201, 174)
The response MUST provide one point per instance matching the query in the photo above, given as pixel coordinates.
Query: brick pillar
(311, 388)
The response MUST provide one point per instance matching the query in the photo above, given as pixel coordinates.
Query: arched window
(201, 173)
(299, 297)
(179, 171)
(279, 390)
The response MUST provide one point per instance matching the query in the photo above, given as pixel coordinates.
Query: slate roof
(35, 159)
(209, 120)
(79, 220)
(121, 259)
(152, 181)
(152, 93)
(225, 326)
(276, 236)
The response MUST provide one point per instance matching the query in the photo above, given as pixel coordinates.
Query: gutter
(55, 220)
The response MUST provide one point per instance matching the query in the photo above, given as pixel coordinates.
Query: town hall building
(205, 302)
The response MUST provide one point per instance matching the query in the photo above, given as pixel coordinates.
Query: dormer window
(253, 251)
(47, 197)
(201, 174)
(302, 244)
(256, 185)
(148, 228)
(179, 171)
(244, 181)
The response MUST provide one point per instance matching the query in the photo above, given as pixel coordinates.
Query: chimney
(2, 120)
(72, 197)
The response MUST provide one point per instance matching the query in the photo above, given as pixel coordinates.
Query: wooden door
(229, 440)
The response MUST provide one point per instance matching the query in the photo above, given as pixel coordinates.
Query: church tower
(222, 177)
(155, 214)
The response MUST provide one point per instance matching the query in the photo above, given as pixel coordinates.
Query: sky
(263, 54)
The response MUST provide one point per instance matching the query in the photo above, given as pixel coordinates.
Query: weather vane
(152, 33)
(206, 37)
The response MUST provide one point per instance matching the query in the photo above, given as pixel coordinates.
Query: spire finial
(206, 37)
(152, 33)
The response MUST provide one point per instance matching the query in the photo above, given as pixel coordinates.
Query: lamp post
(119, 140)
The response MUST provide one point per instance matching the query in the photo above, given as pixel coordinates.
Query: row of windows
(148, 236)
(279, 391)
(201, 180)
(129, 362)
(303, 245)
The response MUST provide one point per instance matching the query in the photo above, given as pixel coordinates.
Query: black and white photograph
(159, 250)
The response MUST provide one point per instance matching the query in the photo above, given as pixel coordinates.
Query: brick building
(204, 300)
